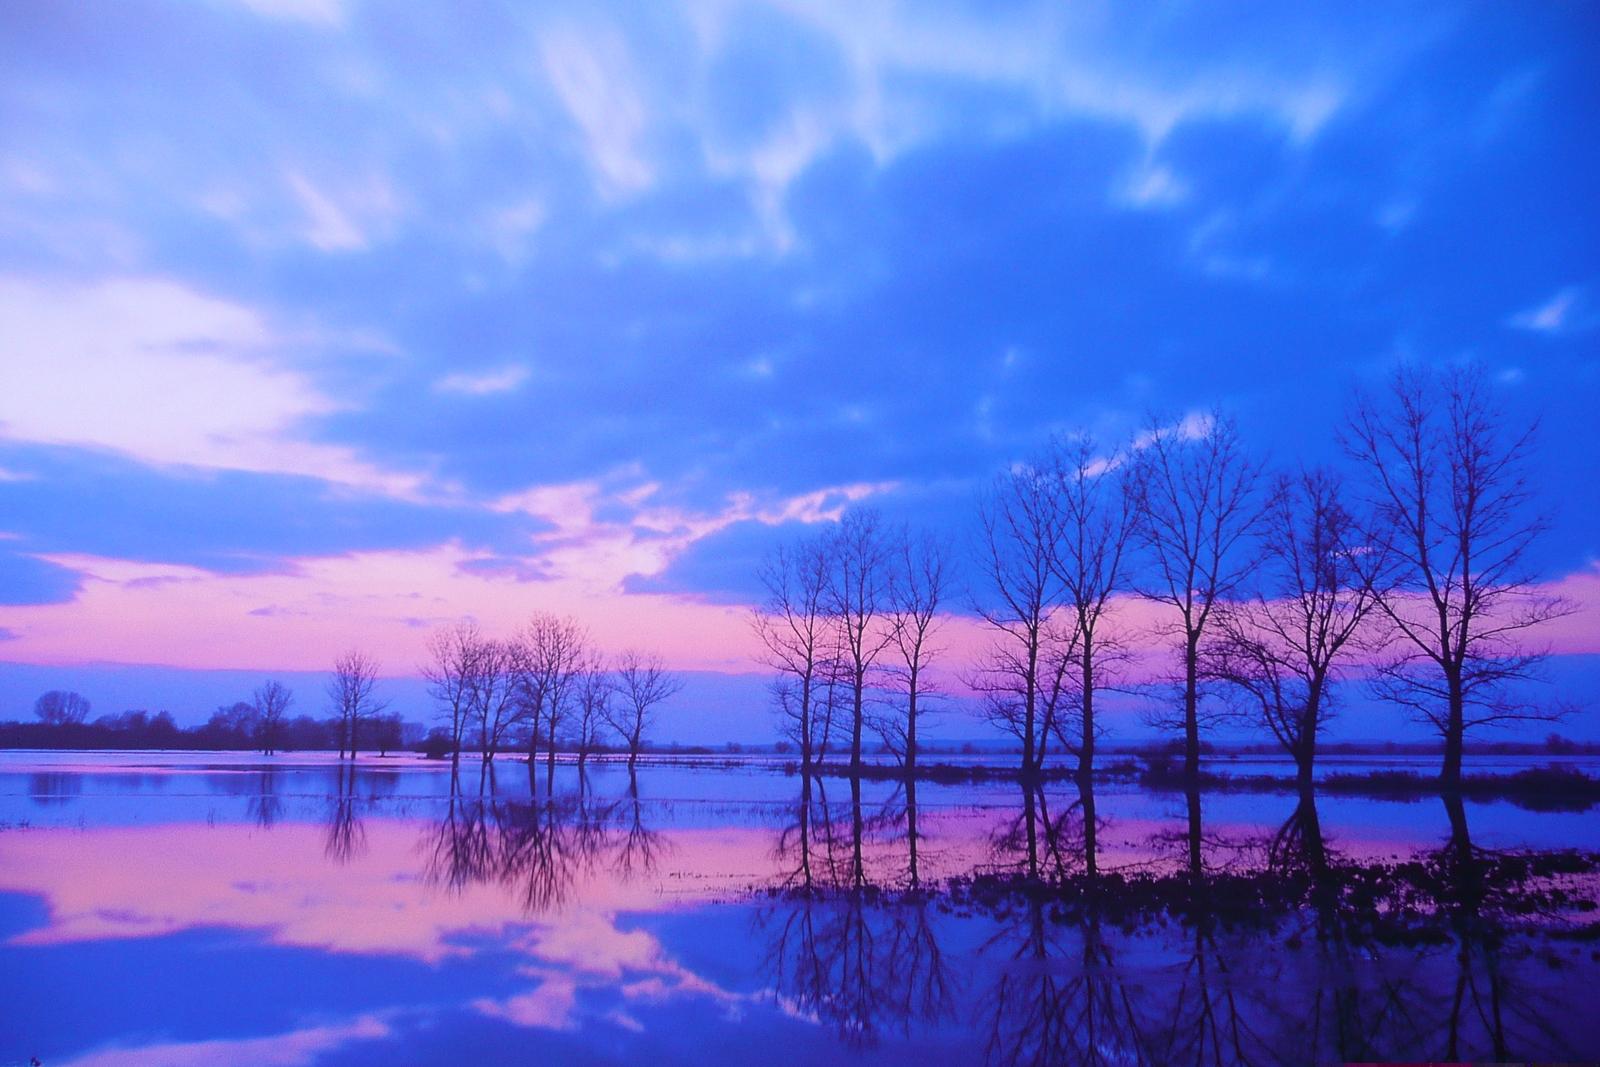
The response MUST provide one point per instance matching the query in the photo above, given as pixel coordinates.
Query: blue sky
(309, 307)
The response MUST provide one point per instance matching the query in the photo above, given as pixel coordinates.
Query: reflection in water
(1303, 958)
(539, 847)
(49, 788)
(1046, 932)
(838, 948)
(347, 834)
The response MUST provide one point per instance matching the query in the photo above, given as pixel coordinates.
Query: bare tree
(1452, 507)
(919, 578)
(1023, 673)
(1097, 519)
(451, 673)
(642, 682)
(60, 708)
(1197, 499)
(592, 709)
(552, 651)
(857, 555)
(494, 695)
(272, 702)
(1283, 650)
(793, 625)
(355, 676)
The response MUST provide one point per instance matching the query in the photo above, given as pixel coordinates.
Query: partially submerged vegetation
(1550, 788)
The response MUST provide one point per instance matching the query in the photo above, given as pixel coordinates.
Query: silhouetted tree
(1024, 673)
(1452, 508)
(642, 682)
(1197, 504)
(1097, 519)
(61, 708)
(918, 583)
(793, 626)
(1283, 649)
(351, 691)
(552, 651)
(452, 676)
(592, 711)
(857, 557)
(272, 702)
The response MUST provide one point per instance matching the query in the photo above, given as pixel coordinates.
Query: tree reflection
(1307, 957)
(541, 847)
(346, 834)
(1042, 846)
(864, 961)
(1060, 998)
(264, 805)
(863, 964)
(639, 848)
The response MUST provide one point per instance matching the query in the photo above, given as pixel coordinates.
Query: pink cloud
(297, 617)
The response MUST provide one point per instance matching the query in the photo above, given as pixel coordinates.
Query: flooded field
(231, 909)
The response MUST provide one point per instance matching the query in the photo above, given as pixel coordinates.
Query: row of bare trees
(850, 625)
(543, 687)
(1273, 586)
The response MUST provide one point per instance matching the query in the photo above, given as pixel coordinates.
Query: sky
(324, 323)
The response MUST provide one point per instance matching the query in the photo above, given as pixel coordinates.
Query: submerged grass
(1552, 788)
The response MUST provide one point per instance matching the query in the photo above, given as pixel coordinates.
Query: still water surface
(235, 909)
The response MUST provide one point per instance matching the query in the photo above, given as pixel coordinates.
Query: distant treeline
(228, 729)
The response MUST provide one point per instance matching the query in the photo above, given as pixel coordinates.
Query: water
(234, 909)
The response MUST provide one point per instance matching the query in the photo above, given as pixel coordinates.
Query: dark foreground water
(212, 909)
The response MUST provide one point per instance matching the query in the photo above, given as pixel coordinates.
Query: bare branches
(452, 676)
(857, 553)
(271, 706)
(793, 625)
(593, 711)
(1196, 494)
(1282, 651)
(918, 582)
(642, 683)
(1023, 675)
(551, 653)
(1447, 481)
(351, 691)
(1097, 520)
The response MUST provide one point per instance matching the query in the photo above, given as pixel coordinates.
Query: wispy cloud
(1567, 311)
(503, 380)
(166, 375)
(296, 1048)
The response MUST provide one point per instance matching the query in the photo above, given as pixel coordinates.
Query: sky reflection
(373, 920)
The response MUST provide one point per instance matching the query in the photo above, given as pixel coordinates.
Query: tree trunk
(1086, 745)
(911, 730)
(1086, 798)
(858, 870)
(1196, 866)
(1455, 728)
(1191, 711)
(911, 828)
(1030, 820)
(855, 729)
(1030, 696)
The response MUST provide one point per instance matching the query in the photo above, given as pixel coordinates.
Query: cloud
(592, 74)
(550, 1006)
(166, 375)
(294, 1049)
(330, 228)
(1154, 186)
(503, 380)
(328, 13)
(1567, 311)
(128, 611)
